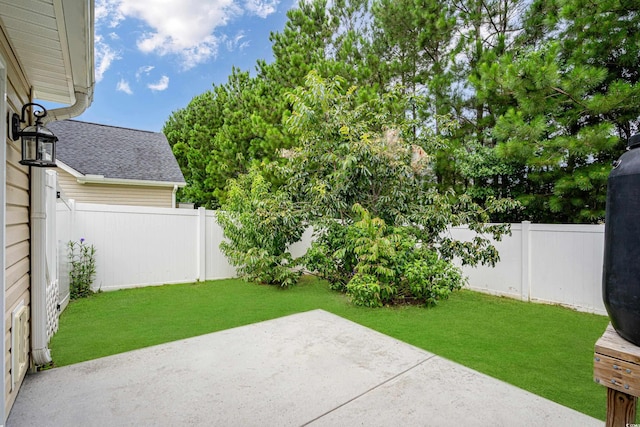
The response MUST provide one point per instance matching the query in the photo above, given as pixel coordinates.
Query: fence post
(201, 242)
(525, 282)
(72, 220)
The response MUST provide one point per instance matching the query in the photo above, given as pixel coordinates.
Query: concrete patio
(311, 368)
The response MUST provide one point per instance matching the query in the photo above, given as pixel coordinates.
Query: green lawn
(545, 349)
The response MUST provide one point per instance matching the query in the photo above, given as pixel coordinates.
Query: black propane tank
(621, 268)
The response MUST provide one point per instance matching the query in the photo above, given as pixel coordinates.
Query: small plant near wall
(83, 268)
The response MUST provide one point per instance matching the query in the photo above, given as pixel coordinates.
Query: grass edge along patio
(541, 348)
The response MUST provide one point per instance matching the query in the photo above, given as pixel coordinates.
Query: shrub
(259, 225)
(387, 265)
(83, 268)
(431, 278)
(365, 290)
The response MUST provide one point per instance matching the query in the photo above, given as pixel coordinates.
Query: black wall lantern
(38, 142)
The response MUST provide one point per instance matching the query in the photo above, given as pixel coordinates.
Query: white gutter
(39, 340)
(84, 96)
(100, 179)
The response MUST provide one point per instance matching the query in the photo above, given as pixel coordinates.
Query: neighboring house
(115, 166)
(46, 53)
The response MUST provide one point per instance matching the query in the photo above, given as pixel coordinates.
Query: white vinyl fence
(552, 263)
(140, 246)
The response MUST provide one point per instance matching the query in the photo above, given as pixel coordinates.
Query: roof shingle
(115, 152)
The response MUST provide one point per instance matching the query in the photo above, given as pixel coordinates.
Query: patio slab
(311, 368)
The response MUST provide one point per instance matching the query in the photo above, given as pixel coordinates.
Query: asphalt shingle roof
(115, 152)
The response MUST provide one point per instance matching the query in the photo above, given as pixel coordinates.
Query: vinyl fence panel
(141, 246)
(566, 265)
(138, 246)
(552, 263)
(63, 235)
(217, 266)
(506, 278)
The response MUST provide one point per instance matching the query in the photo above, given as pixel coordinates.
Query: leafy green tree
(414, 39)
(566, 164)
(221, 133)
(487, 29)
(577, 101)
(259, 224)
(301, 46)
(373, 197)
(543, 95)
(190, 132)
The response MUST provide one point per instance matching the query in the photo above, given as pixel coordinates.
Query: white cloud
(104, 56)
(237, 42)
(123, 86)
(144, 70)
(181, 27)
(185, 28)
(262, 8)
(162, 84)
(107, 11)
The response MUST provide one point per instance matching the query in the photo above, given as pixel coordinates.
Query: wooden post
(621, 408)
(617, 367)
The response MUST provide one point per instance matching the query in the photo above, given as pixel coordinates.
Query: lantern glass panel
(46, 150)
(29, 148)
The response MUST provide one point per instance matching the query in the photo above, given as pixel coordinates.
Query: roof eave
(99, 179)
(67, 70)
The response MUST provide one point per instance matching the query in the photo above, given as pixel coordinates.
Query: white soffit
(53, 40)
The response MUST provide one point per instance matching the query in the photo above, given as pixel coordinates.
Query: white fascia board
(100, 179)
(68, 169)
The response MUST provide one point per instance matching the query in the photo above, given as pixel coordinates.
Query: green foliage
(389, 264)
(573, 99)
(372, 199)
(259, 225)
(431, 278)
(374, 282)
(221, 133)
(82, 262)
(329, 257)
(539, 96)
(566, 159)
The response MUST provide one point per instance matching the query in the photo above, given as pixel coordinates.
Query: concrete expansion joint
(388, 380)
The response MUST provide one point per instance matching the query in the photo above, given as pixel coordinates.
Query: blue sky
(153, 56)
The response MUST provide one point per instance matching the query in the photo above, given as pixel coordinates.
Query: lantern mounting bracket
(16, 120)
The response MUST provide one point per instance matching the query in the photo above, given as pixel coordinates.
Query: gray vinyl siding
(114, 194)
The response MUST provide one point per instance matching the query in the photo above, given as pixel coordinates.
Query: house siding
(115, 194)
(17, 232)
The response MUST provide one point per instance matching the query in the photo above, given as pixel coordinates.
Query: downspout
(173, 196)
(39, 337)
(39, 351)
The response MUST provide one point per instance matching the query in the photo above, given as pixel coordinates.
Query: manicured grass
(547, 350)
